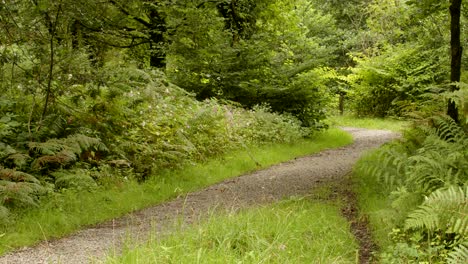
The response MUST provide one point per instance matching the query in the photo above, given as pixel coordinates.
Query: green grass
(292, 231)
(65, 213)
(374, 202)
(371, 123)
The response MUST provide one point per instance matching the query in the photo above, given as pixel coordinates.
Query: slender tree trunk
(456, 54)
(52, 27)
(157, 30)
(51, 77)
(341, 103)
(235, 21)
(76, 35)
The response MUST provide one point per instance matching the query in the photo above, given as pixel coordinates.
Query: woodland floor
(294, 178)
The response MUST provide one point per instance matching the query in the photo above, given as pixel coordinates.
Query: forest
(98, 98)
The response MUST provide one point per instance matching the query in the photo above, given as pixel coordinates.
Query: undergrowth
(131, 125)
(416, 194)
(64, 211)
(292, 231)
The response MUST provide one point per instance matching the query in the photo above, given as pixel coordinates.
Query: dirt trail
(296, 177)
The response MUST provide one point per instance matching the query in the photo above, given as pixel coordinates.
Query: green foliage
(16, 176)
(442, 210)
(393, 82)
(417, 247)
(287, 128)
(78, 180)
(20, 194)
(273, 66)
(439, 160)
(19, 189)
(56, 153)
(156, 125)
(459, 254)
(4, 214)
(424, 180)
(133, 116)
(80, 98)
(403, 58)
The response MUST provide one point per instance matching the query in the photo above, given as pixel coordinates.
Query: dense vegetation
(96, 93)
(416, 194)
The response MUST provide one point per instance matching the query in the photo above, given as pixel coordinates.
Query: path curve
(292, 178)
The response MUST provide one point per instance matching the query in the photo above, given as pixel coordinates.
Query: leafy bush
(394, 81)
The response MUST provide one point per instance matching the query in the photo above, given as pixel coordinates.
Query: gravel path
(296, 177)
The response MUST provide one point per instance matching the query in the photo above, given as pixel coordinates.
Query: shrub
(395, 81)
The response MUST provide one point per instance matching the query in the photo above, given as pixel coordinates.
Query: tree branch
(126, 12)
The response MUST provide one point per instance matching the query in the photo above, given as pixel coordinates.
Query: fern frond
(6, 150)
(20, 194)
(443, 209)
(391, 167)
(424, 217)
(4, 214)
(459, 254)
(18, 159)
(76, 143)
(73, 180)
(60, 152)
(60, 159)
(51, 147)
(448, 129)
(437, 164)
(81, 143)
(17, 176)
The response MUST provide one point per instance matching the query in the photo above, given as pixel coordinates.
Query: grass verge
(371, 123)
(374, 202)
(63, 213)
(292, 231)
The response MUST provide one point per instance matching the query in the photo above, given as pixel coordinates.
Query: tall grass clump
(292, 231)
(416, 192)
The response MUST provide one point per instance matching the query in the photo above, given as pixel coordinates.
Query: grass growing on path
(375, 203)
(371, 123)
(292, 231)
(65, 213)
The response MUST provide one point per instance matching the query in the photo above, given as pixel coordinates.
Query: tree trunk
(341, 103)
(52, 28)
(456, 54)
(157, 39)
(76, 35)
(237, 22)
